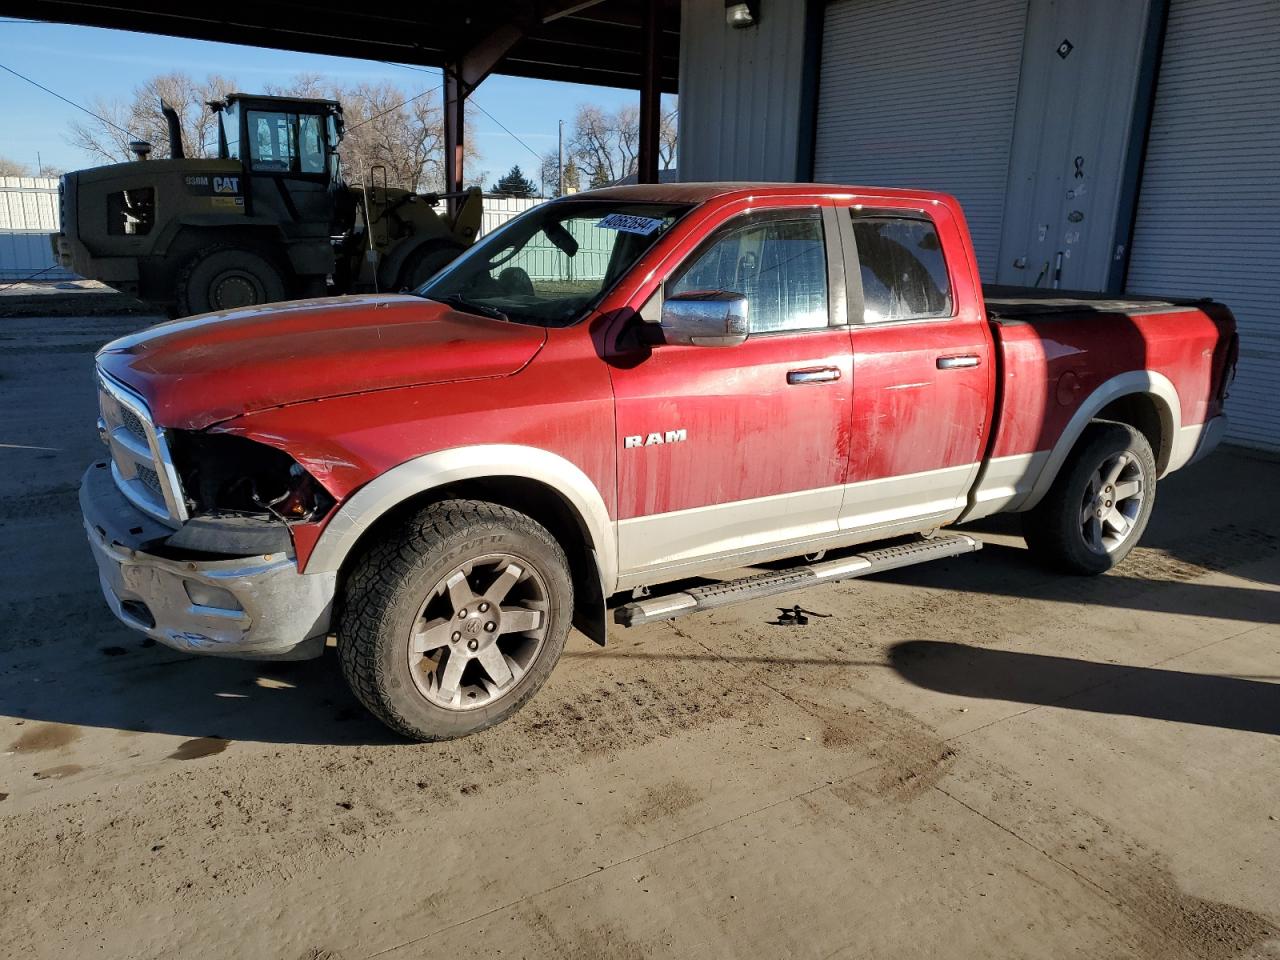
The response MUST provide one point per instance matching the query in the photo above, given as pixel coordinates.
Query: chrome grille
(133, 423)
(140, 461)
(151, 480)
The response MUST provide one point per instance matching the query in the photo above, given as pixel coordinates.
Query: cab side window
(272, 140)
(311, 140)
(779, 264)
(904, 274)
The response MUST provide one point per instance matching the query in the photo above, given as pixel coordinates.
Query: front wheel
(452, 622)
(226, 277)
(1099, 505)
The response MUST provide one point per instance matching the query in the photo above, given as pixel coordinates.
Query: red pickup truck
(617, 390)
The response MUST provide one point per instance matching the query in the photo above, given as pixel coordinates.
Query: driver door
(740, 451)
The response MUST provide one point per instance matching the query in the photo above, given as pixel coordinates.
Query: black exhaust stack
(175, 132)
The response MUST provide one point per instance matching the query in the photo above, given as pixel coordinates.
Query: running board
(782, 581)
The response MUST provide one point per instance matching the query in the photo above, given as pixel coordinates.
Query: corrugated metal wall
(1208, 221)
(739, 93)
(922, 94)
(28, 214)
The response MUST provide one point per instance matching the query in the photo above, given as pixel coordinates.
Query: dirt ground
(968, 759)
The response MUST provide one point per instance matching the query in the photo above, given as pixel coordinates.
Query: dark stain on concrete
(59, 772)
(49, 736)
(199, 747)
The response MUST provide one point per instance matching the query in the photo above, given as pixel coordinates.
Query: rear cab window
(902, 267)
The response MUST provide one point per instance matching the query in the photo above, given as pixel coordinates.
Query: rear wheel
(453, 622)
(425, 263)
(226, 277)
(1098, 508)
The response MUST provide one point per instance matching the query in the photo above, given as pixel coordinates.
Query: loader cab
(288, 148)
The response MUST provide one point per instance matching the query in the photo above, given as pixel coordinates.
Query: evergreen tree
(515, 184)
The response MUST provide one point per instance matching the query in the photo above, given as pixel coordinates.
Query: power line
(535, 153)
(475, 103)
(127, 133)
(403, 103)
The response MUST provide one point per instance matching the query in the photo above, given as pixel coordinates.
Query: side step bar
(782, 581)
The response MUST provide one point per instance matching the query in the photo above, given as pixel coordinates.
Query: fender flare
(1146, 382)
(433, 470)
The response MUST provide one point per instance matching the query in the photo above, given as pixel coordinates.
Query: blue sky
(82, 63)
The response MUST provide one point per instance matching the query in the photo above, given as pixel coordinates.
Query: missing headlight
(224, 474)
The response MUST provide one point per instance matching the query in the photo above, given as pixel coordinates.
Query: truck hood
(203, 370)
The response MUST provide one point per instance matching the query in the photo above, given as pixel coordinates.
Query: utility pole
(560, 163)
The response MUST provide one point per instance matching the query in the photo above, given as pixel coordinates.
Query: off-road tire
(425, 262)
(387, 585)
(250, 274)
(1053, 529)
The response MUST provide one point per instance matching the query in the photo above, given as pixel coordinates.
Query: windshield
(550, 265)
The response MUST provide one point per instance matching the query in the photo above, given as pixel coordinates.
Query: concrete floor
(969, 759)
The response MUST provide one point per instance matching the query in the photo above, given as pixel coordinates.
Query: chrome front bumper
(248, 607)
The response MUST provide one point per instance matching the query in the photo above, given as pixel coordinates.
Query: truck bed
(1007, 305)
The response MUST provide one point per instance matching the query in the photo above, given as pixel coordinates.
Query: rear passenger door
(922, 377)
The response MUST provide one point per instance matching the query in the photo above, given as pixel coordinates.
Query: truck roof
(702, 192)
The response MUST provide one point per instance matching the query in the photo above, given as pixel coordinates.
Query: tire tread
(379, 577)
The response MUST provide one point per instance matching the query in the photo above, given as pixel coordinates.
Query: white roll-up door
(1208, 218)
(921, 93)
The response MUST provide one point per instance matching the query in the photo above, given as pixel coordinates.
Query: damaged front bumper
(257, 607)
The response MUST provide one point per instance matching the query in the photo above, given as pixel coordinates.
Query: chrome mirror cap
(705, 318)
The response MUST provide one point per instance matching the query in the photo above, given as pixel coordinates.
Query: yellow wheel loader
(270, 219)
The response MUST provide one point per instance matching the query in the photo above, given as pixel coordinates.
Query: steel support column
(455, 116)
(462, 74)
(650, 98)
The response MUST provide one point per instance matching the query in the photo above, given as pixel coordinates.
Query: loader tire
(1099, 505)
(451, 621)
(226, 277)
(425, 262)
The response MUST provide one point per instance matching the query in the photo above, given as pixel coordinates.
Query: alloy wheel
(478, 632)
(1112, 503)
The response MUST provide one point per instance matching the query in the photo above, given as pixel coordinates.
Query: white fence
(28, 214)
(543, 260)
(498, 210)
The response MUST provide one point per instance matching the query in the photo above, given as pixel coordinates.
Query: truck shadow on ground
(1232, 703)
(1000, 570)
(161, 692)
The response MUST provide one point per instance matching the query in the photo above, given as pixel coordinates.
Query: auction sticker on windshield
(630, 224)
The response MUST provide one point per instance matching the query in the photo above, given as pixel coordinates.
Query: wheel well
(191, 240)
(1146, 414)
(535, 500)
(163, 271)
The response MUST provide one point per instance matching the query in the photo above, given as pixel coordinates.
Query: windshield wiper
(456, 300)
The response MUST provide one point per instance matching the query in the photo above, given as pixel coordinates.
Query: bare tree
(605, 146)
(140, 118)
(668, 131)
(550, 174)
(14, 168)
(388, 128)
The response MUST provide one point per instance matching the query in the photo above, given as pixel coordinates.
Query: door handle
(957, 363)
(813, 375)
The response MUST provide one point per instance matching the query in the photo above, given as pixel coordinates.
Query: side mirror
(705, 318)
